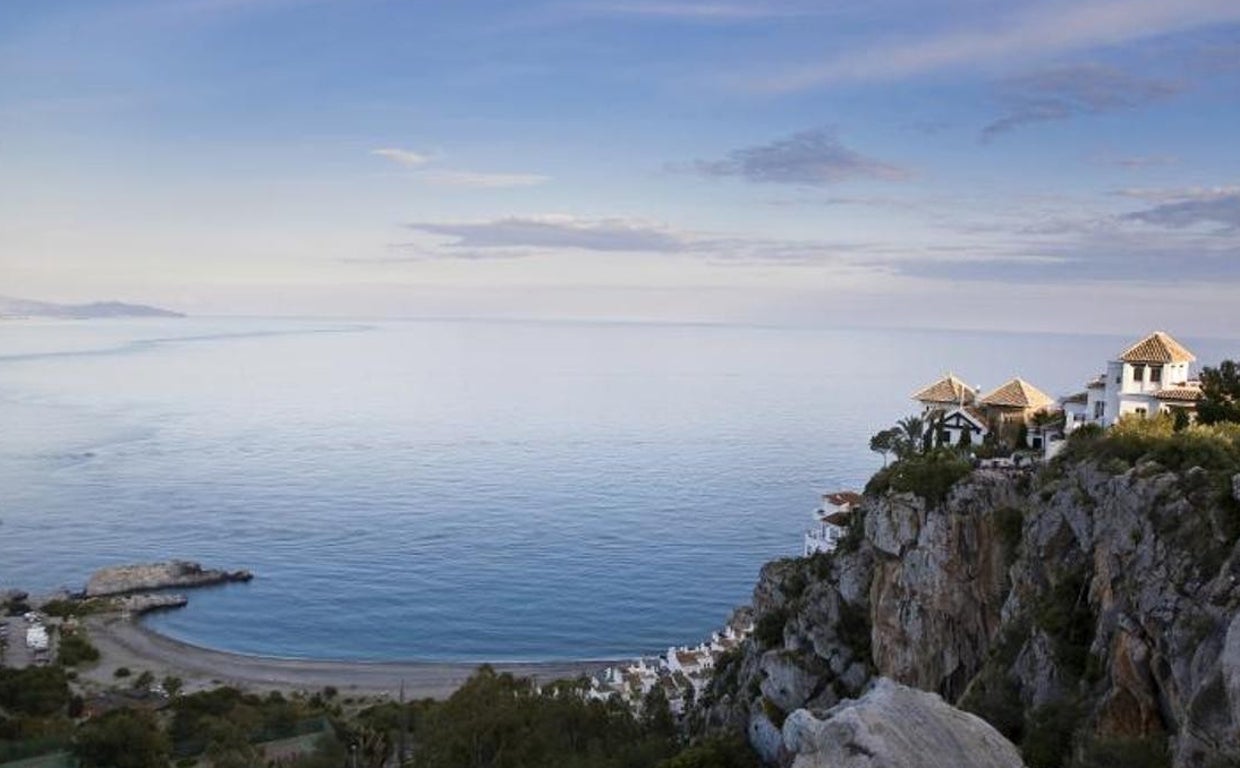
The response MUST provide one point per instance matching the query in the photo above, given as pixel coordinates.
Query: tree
(172, 686)
(34, 691)
(228, 745)
(144, 681)
(1220, 393)
(911, 431)
(885, 442)
(966, 439)
(124, 738)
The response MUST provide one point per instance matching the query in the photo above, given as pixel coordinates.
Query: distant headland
(13, 308)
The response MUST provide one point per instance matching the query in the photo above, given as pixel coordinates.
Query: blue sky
(960, 163)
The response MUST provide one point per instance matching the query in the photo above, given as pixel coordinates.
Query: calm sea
(456, 490)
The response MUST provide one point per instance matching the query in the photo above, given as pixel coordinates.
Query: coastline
(125, 642)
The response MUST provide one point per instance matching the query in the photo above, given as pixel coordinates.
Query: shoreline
(125, 642)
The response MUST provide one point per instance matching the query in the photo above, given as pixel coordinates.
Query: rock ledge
(124, 579)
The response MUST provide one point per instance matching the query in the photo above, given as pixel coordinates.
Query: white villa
(832, 520)
(964, 411)
(1150, 377)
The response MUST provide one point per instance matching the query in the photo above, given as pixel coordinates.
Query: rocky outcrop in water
(137, 605)
(894, 726)
(124, 579)
(1090, 612)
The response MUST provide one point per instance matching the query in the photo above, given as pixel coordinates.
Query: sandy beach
(126, 643)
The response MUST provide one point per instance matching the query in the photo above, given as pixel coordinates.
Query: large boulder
(894, 726)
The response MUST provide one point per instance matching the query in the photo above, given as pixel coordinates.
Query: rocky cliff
(1087, 610)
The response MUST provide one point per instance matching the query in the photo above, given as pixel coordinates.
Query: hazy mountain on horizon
(11, 307)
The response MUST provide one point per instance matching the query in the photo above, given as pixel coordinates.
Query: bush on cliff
(1214, 447)
(929, 475)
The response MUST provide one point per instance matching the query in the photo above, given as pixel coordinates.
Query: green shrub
(34, 691)
(1065, 616)
(1009, 523)
(122, 672)
(67, 609)
(773, 712)
(1048, 734)
(794, 584)
(995, 697)
(1147, 752)
(769, 629)
(725, 752)
(75, 649)
(929, 475)
(853, 629)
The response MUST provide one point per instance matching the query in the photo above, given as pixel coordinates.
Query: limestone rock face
(893, 726)
(123, 579)
(1229, 664)
(940, 580)
(1107, 591)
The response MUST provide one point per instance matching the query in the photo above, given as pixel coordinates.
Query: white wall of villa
(824, 537)
(1132, 389)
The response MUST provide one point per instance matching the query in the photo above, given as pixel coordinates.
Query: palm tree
(911, 429)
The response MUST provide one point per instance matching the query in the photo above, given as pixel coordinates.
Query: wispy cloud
(403, 157)
(1137, 162)
(1043, 31)
(810, 158)
(1221, 210)
(697, 11)
(558, 232)
(472, 180)
(448, 177)
(1176, 194)
(1065, 92)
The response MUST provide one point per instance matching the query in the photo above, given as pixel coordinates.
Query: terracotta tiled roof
(1158, 347)
(1097, 383)
(842, 498)
(1018, 393)
(1181, 393)
(949, 389)
(1079, 397)
(972, 412)
(979, 416)
(837, 518)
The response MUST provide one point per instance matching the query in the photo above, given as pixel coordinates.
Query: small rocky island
(173, 574)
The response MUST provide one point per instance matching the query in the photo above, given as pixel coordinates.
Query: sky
(1059, 165)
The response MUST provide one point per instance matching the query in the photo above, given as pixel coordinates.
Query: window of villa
(1140, 412)
(1099, 409)
(1138, 373)
(1155, 373)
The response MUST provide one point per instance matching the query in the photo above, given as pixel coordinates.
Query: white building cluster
(831, 522)
(682, 673)
(1151, 377)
